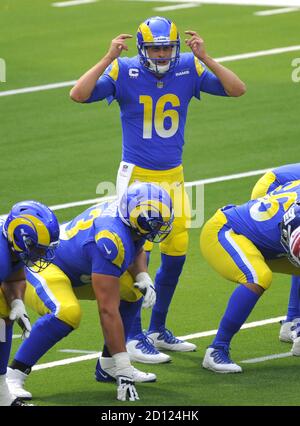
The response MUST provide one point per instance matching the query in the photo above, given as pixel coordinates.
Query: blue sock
(45, 332)
(166, 280)
(136, 327)
(148, 256)
(129, 311)
(5, 349)
(239, 307)
(294, 300)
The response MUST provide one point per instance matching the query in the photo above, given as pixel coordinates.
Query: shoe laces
(221, 355)
(296, 328)
(145, 344)
(168, 336)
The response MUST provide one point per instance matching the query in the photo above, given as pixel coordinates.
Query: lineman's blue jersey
(259, 220)
(96, 241)
(153, 111)
(7, 267)
(285, 174)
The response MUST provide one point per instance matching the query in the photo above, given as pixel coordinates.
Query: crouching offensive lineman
(103, 247)
(246, 244)
(28, 239)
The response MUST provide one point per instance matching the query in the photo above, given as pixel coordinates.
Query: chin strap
(159, 69)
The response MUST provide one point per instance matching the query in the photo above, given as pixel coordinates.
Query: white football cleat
(106, 372)
(164, 339)
(15, 380)
(218, 360)
(141, 349)
(287, 330)
(296, 337)
(296, 347)
(6, 398)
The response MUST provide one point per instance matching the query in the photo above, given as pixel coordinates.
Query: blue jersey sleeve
(104, 88)
(100, 263)
(287, 173)
(111, 247)
(211, 84)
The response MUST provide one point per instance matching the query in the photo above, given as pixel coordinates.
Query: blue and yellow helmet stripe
(173, 32)
(26, 220)
(12, 227)
(154, 208)
(42, 230)
(149, 37)
(146, 33)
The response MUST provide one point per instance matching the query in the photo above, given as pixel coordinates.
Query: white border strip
(253, 278)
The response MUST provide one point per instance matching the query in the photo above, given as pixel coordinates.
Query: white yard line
(187, 185)
(176, 7)
(260, 53)
(82, 203)
(188, 336)
(230, 58)
(72, 3)
(227, 177)
(266, 358)
(17, 336)
(38, 88)
(245, 326)
(65, 361)
(271, 3)
(276, 11)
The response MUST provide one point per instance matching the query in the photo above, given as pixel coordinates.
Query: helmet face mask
(147, 209)
(158, 32)
(32, 231)
(290, 234)
(158, 228)
(37, 257)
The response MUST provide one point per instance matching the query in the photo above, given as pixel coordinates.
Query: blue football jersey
(285, 174)
(7, 267)
(154, 110)
(96, 241)
(259, 220)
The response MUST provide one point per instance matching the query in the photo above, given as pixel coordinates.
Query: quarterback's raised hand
(196, 44)
(18, 313)
(118, 44)
(146, 287)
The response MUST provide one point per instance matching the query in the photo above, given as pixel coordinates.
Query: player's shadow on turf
(150, 394)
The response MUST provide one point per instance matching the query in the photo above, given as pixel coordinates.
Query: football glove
(126, 389)
(145, 285)
(124, 377)
(18, 313)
